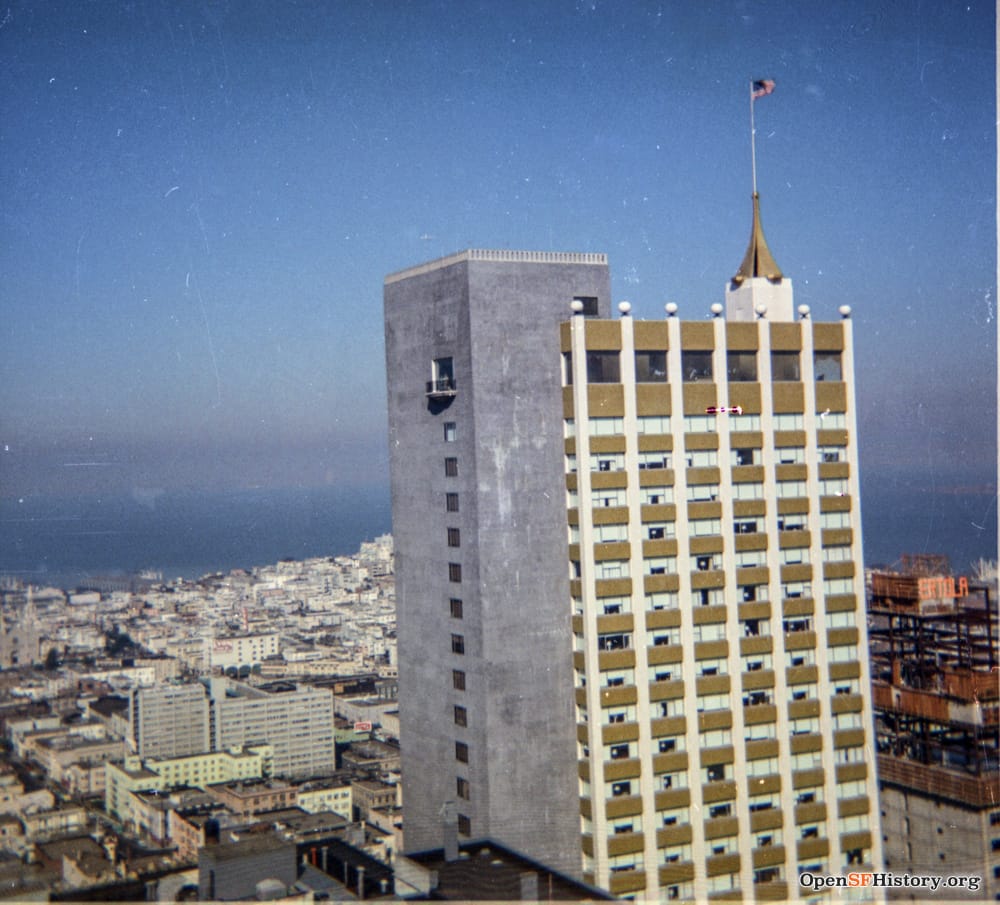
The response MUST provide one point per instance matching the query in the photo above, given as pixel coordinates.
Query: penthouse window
(827, 366)
(650, 367)
(442, 382)
(461, 716)
(589, 303)
(454, 572)
(449, 432)
(451, 467)
(462, 788)
(455, 607)
(451, 502)
(785, 366)
(696, 366)
(458, 680)
(457, 644)
(603, 367)
(464, 825)
(454, 537)
(741, 366)
(616, 641)
(462, 752)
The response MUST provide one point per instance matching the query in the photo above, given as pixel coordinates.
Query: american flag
(762, 87)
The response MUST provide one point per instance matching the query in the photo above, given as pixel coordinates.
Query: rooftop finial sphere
(804, 311)
(716, 309)
(576, 305)
(671, 308)
(845, 310)
(624, 307)
(761, 309)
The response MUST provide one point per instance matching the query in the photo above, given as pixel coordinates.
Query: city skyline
(202, 203)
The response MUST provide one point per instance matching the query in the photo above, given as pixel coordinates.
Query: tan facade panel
(768, 856)
(673, 835)
(801, 675)
(664, 512)
(622, 769)
(763, 644)
(606, 400)
(798, 606)
(800, 641)
(806, 779)
(720, 827)
(624, 883)
(748, 439)
(718, 791)
(697, 335)
(668, 763)
(676, 873)
(850, 772)
(747, 396)
(652, 399)
(743, 542)
(797, 572)
(698, 397)
(789, 438)
(760, 713)
(848, 738)
(625, 843)
(786, 337)
(711, 650)
(711, 579)
(712, 684)
(849, 807)
(747, 508)
(663, 619)
(831, 397)
(759, 678)
(791, 472)
(849, 841)
(812, 848)
(837, 437)
(793, 506)
(664, 654)
(603, 334)
(610, 515)
(703, 615)
(655, 443)
(760, 785)
(788, 398)
(834, 470)
(613, 587)
(701, 441)
(798, 710)
(742, 336)
(837, 537)
(765, 747)
(713, 544)
(654, 477)
(813, 812)
(670, 725)
(565, 337)
(567, 396)
(607, 444)
(770, 819)
(659, 548)
(616, 659)
(828, 337)
(846, 703)
(835, 504)
(608, 480)
(844, 671)
(653, 583)
(665, 691)
(838, 570)
(722, 864)
(623, 807)
(841, 602)
(617, 550)
(788, 539)
(619, 732)
(622, 694)
(839, 636)
(720, 754)
(715, 719)
(651, 335)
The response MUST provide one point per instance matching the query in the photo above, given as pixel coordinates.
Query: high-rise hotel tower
(708, 490)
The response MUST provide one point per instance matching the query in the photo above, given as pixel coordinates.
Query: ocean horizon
(187, 534)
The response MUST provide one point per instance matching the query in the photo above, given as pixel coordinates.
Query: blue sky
(201, 200)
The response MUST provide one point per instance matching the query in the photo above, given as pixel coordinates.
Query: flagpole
(753, 142)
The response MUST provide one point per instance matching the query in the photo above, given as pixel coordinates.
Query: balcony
(444, 388)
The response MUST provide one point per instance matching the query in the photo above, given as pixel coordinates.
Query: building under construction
(934, 640)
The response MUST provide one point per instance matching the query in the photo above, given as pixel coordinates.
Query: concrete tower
(479, 521)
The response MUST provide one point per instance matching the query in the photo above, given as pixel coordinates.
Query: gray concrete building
(168, 720)
(479, 521)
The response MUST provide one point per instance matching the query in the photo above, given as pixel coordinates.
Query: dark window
(449, 432)
(568, 369)
(696, 366)
(855, 856)
(716, 772)
(744, 456)
(766, 875)
(457, 644)
(827, 366)
(621, 788)
(589, 303)
(785, 366)
(454, 537)
(454, 571)
(650, 367)
(656, 532)
(741, 366)
(667, 745)
(451, 502)
(461, 716)
(455, 606)
(458, 680)
(464, 825)
(462, 752)
(603, 367)
(619, 751)
(720, 810)
(462, 788)
(451, 468)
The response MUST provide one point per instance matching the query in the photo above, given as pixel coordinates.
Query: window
(745, 456)
(788, 422)
(720, 810)
(454, 572)
(451, 502)
(827, 365)
(659, 565)
(615, 641)
(750, 491)
(699, 424)
(662, 600)
(650, 367)
(442, 375)
(659, 530)
(605, 498)
(449, 432)
(834, 487)
(702, 458)
(462, 752)
(619, 752)
(464, 825)
(748, 526)
(457, 644)
(702, 527)
(462, 788)
(613, 568)
(610, 534)
(455, 607)
(702, 493)
(790, 455)
(656, 496)
(607, 462)
(461, 716)
(835, 520)
(589, 303)
(567, 369)
(451, 467)
(832, 421)
(606, 427)
(744, 422)
(829, 454)
(715, 773)
(603, 367)
(458, 680)
(654, 424)
(788, 489)
(454, 537)
(619, 789)
(785, 366)
(696, 365)
(741, 366)
(654, 460)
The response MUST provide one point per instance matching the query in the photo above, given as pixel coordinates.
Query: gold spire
(758, 261)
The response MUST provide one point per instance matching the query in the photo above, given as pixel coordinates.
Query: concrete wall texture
(496, 314)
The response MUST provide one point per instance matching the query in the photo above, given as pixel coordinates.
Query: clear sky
(200, 201)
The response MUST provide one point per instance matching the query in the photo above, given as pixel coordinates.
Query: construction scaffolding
(934, 644)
